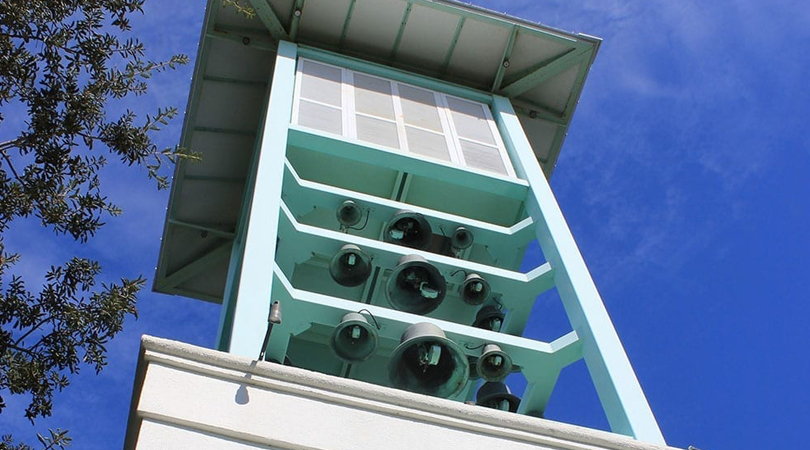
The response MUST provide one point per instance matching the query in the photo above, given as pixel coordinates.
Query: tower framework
(389, 159)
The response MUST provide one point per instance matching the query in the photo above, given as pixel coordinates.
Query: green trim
(380, 70)
(453, 43)
(401, 30)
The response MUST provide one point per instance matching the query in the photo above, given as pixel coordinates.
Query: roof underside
(542, 71)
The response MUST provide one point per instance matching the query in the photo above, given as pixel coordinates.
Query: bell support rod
(302, 194)
(523, 288)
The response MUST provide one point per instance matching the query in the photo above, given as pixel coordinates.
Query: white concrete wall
(187, 397)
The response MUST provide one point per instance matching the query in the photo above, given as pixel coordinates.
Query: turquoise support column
(618, 388)
(248, 291)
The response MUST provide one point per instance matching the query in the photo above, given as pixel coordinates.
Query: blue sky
(685, 179)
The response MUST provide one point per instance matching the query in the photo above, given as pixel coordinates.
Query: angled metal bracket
(270, 19)
(544, 71)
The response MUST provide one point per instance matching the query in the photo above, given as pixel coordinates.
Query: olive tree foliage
(65, 67)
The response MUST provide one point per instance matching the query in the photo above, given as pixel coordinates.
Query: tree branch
(34, 328)
(11, 165)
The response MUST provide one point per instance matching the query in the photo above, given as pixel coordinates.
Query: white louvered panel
(321, 83)
(482, 157)
(372, 96)
(426, 143)
(320, 117)
(470, 120)
(419, 108)
(377, 131)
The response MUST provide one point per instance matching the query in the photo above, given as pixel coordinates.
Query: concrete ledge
(191, 397)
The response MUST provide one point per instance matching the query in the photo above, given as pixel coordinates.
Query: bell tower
(372, 173)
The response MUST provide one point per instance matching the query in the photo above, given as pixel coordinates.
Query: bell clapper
(429, 356)
(356, 332)
(427, 291)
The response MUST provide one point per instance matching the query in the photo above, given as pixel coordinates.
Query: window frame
(449, 132)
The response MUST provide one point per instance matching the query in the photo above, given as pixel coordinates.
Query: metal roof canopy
(540, 69)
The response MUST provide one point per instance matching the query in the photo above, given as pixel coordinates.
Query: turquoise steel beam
(377, 155)
(269, 19)
(453, 43)
(618, 388)
(303, 308)
(247, 296)
(544, 71)
(391, 73)
(507, 53)
(537, 394)
(302, 195)
(309, 240)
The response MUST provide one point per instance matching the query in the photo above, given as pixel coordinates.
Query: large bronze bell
(354, 339)
(426, 362)
(496, 395)
(350, 266)
(409, 229)
(415, 286)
